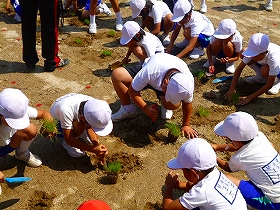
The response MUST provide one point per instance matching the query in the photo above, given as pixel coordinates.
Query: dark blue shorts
(203, 40)
(255, 197)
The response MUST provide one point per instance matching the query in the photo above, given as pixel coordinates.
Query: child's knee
(265, 71)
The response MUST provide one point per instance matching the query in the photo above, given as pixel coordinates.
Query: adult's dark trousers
(49, 17)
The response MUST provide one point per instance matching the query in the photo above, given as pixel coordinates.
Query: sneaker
(230, 69)
(73, 151)
(103, 8)
(196, 53)
(182, 44)
(165, 39)
(122, 114)
(275, 88)
(210, 73)
(29, 158)
(17, 18)
(203, 8)
(92, 28)
(255, 79)
(62, 63)
(119, 25)
(166, 114)
(268, 7)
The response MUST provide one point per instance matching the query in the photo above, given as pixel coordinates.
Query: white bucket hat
(226, 28)
(181, 8)
(136, 7)
(258, 43)
(129, 30)
(98, 114)
(13, 107)
(195, 153)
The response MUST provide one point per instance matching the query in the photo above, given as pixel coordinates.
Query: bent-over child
(206, 186)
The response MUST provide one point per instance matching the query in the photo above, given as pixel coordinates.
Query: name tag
(226, 188)
(272, 169)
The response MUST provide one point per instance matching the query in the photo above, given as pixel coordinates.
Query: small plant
(49, 128)
(235, 98)
(113, 167)
(86, 21)
(200, 75)
(105, 53)
(174, 129)
(78, 41)
(203, 112)
(112, 33)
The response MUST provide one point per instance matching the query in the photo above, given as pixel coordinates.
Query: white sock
(269, 2)
(118, 15)
(129, 108)
(23, 146)
(92, 19)
(203, 2)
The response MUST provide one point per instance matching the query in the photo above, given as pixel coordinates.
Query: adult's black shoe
(62, 63)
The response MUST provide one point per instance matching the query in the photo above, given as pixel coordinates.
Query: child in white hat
(225, 45)
(16, 130)
(264, 58)
(139, 42)
(255, 155)
(83, 117)
(197, 30)
(156, 16)
(171, 79)
(207, 187)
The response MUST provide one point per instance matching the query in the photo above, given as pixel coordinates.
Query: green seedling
(174, 129)
(105, 53)
(235, 98)
(200, 75)
(203, 112)
(78, 41)
(49, 128)
(112, 33)
(113, 167)
(86, 21)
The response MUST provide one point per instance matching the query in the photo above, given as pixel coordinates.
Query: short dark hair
(139, 36)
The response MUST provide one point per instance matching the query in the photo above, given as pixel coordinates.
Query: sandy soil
(63, 182)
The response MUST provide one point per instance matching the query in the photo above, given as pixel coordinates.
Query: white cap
(258, 43)
(239, 126)
(98, 114)
(13, 107)
(195, 153)
(225, 29)
(136, 7)
(129, 30)
(181, 8)
(177, 88)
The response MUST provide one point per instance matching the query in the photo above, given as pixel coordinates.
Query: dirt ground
(63, 182)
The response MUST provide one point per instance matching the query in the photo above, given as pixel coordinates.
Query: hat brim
(124, 40)
(20, 123)
(219, 129)
(174, 164)
(249, 53)
(135, 14)
(104, 131)
(221, 36)
(177, 18)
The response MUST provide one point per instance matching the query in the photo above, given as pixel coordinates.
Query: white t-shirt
(151, 44)
(199, 24)
(6, 132)
(154, 69)
(272, 59)
(261, 162)
(214, 192)
(159, 11)
(236, 41)
(66, 108)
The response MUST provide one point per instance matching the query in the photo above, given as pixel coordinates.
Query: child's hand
(229, 94)
(101, 151)
(1, 177)
(126, 60)
(171, 180)
(151, 112)
(8, 9)
(215, 147)
(244, 100)
(224, 60)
